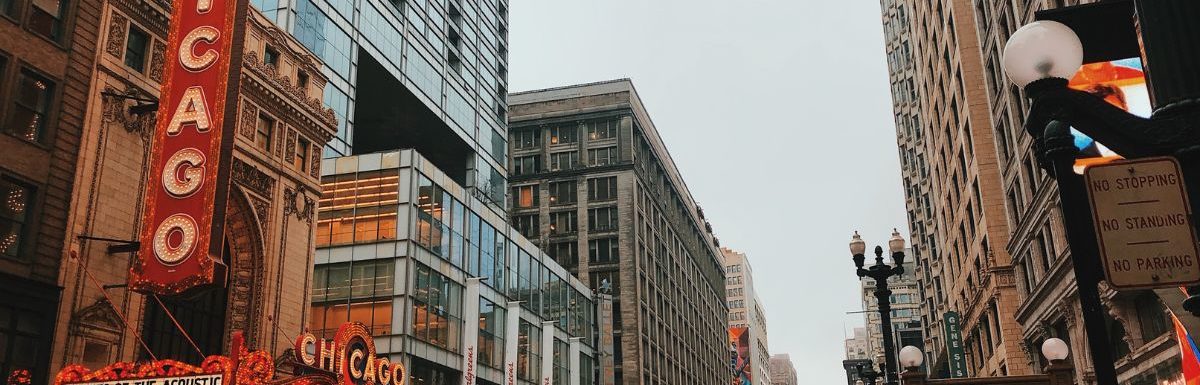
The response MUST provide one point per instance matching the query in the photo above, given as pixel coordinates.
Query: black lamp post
(1040, 57)
(867, 376)
(880, 272)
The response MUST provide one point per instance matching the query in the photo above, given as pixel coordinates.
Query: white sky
(778, 115)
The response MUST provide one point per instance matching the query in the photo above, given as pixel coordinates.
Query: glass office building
(424, 74)
(398, 242)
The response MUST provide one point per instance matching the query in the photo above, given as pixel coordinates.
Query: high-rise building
(906, 322)
(46, 60)
(747, 321)
(277, 135)
(594, 186)
(999, 255)
(426, 75)
(1139, 328)
(857, 347)
(782, 370)
(402, 248)
(951, 180)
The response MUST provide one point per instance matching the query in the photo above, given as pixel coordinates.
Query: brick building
(279, 131)
(45, 68)
(593, 184)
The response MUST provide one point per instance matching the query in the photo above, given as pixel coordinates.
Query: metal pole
(1085, 255)
(884, 295)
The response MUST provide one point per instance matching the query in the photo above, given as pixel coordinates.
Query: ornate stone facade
(268, 238)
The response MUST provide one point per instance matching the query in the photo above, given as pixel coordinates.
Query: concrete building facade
(593, 184)
(906, 319)
(857, 346)
(782, 370)
(1138, 325)
(746, 315)
(46, 61)
(278, 132)
(961, 263)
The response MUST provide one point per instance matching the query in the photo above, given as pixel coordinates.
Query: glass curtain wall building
(397, 244)
(424, 74)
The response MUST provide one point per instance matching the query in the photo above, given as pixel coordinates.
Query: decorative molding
(252, 178)
(116, 110)
(283, 84)
(157, 59)
(289, 146)
(117, 27)
(99, 316)
(248, 120)
(314, 161)
(292, 204)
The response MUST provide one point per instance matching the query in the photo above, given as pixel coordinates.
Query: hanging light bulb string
(178, 326)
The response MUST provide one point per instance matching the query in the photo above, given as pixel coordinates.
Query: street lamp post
(868, 376)
(880, 272)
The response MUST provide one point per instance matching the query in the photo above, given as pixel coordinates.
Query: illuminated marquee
(350, 356)
(183, 216)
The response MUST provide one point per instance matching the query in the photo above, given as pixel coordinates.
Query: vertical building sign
(470, 334)
(954, 345)
(183, 218)
(547, 353)
(739, 356)
(608, 372)
(511, 335)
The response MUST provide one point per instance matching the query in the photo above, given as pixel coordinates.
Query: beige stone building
(782, 370)
(280, 130)
(1018, 276)
(746, 312)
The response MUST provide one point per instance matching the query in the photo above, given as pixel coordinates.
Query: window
(564, 160)
(31, 104)
(602, 156)
(563, 222)
(565, 253)
(352, 292)
(603, 129)
(9, 8)
(491, 334)
(14, 215)
(271, 57)
(302, 80)
(46, 18)
(564, 133)
(527, 225)
(1150, 316)
(562, 193)
(525, 197)
(264, 130)
(603, 250)
(23, 339)
(526, 165)
(602, 219)
(136, 44)
(529, 347)
(436, 309)
(301, 159)
(602, 189)
(526, 138)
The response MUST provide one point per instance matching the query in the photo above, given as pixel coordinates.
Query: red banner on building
(184, 212)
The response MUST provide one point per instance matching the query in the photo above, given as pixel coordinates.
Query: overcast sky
(778, 115)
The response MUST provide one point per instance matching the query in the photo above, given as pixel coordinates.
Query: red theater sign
(183, 216)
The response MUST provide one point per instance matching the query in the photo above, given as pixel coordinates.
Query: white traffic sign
(1143, 223)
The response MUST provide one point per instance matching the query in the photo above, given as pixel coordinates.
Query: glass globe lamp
(1042, 49)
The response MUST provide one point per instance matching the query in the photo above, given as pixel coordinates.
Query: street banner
(512, 328)
(954, 345)
(605, 350)
(547, 353)
(470, 333)
(184, 214)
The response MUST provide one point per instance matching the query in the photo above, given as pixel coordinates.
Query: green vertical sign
(954, 345)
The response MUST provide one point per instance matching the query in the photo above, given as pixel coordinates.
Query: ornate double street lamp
(1042, 56)
(1055, 350)
(880, 272)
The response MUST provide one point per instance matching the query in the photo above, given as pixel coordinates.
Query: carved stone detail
(284, 84)
(116, 110)
(252, 178)
(249, 119)
(157, 59)
(117, 26)
(314, 161)
(296, 202)
(289, 146)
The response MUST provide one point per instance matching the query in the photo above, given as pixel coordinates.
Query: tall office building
(747, 321)
(962, 263)
(1139, 328)
(857, 347)
(782, 370)
(420, 74)
(46, 61)
(594, 185)
(401, 248)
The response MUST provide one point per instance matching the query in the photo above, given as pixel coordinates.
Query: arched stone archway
(244, 241)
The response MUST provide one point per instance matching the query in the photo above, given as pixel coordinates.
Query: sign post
(1143, 223)
(954, 345)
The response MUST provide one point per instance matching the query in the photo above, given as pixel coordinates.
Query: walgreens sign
(184, 212)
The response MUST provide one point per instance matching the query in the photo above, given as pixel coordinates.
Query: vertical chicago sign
(184, 213)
